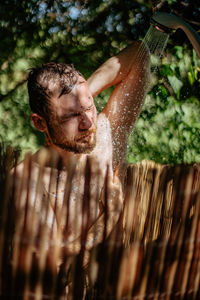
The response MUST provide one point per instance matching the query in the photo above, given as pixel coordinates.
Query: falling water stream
(157, 207)
(156, 41)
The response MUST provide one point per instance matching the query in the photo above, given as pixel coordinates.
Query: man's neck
(55, 157)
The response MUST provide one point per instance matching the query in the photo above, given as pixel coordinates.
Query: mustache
(85, 134)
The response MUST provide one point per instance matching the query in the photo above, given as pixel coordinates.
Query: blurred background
(86, 33)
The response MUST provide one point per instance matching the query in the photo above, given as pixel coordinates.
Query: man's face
(72, 120)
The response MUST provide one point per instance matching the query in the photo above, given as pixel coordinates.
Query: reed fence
(149, 249)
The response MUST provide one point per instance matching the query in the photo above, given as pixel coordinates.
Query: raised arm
(129, 71)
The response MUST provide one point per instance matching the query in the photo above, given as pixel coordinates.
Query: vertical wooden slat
(158, 257)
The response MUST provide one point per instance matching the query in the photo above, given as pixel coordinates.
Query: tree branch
(169, 88)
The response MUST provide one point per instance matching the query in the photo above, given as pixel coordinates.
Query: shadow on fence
(148, 250)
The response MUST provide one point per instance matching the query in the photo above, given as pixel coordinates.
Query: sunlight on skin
(72, 129)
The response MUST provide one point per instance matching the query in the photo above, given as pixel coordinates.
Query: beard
(77, 146)
(83, 143)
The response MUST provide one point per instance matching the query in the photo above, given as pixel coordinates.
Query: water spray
(169, 23)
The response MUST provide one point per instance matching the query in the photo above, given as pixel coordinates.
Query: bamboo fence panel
(153, 252)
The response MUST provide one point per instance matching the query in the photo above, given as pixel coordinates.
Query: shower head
(165, 22)
(160, 26)
(168, 23)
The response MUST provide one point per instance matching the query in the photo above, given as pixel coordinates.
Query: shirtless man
(84, 158)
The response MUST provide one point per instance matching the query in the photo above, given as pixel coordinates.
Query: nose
(85, 123)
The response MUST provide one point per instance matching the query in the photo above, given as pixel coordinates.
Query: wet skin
(70, 128)
(72, 120)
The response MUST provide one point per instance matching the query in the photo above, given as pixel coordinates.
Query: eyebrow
(68, 89)
(81, 81)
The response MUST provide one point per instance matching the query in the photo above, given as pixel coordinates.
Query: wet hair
(45, 80)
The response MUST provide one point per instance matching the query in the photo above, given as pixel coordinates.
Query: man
(66, 192)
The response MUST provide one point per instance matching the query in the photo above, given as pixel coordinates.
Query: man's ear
(39, 122)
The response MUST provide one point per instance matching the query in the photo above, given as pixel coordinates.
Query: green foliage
(86, 33)
(15, 126)
(168, 130)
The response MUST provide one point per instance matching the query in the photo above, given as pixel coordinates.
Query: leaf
(178, 52)
(191, 78)
(176, 84)
(166, 70)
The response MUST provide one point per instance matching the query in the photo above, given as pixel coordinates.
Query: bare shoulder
(25, 167)
(15, 176)
(17, 170)
(32, 163)
(23, 177)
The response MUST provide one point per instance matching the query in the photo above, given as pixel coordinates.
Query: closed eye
(68, 117)
(75, 114)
